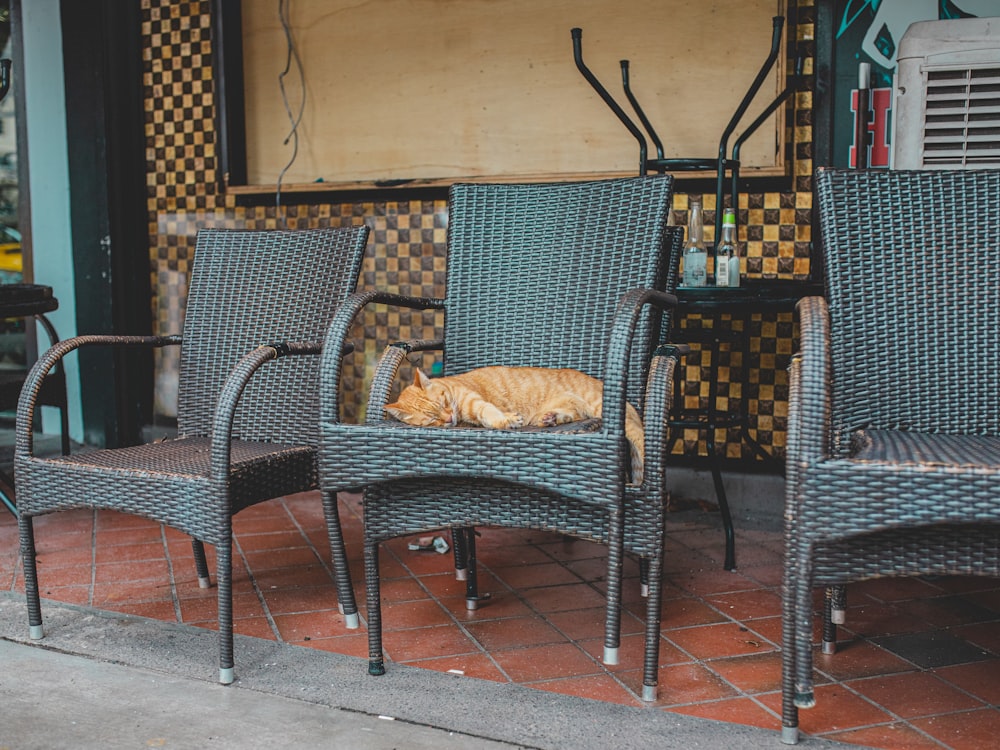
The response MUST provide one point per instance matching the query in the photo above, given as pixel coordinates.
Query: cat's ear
(421, 379)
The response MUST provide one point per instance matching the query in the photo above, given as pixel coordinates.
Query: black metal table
(28, 301)
(755, 296)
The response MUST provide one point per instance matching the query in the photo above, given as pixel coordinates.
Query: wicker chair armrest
(657, 404)
(27, 401)
(619, 349)
(385, 373)
(809, 403)
(233, 388)
(336, 336)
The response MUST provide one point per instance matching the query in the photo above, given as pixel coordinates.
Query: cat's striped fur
(511, 397)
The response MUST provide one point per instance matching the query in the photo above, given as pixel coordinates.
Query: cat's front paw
(510, 421)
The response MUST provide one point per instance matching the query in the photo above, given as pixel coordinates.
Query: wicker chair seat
(168, 481)
(482, 454)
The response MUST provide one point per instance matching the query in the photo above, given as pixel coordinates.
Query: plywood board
(442, 90)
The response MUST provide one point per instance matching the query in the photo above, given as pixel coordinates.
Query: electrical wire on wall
(293, 135)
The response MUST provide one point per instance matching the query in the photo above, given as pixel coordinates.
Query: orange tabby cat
(510, 397)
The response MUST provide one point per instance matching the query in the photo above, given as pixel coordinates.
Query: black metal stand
(737, 301)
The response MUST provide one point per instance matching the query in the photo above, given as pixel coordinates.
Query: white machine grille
(962, 118)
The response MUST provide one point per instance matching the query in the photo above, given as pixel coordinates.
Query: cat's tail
(637, 440)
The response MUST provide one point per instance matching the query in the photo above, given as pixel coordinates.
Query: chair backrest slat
(250, 288)
(529, 265)
(912, 264)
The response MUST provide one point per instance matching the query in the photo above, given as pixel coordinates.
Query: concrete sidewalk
(105, 680)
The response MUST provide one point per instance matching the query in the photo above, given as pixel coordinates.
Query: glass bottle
(727, 254)
(695, 255)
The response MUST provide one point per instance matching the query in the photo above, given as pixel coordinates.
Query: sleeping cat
(510, 397)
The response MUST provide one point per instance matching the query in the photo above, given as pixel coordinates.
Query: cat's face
(424, 404)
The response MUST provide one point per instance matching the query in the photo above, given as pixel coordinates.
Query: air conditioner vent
(962, 118)
(946, 113)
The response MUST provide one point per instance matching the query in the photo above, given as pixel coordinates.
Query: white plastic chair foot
(838, 616)
(204, 582)
(471, 604)
(829, 647)
(790, 735)
(35, 632)
(649, 693)
(644, 590)
(461, 574)
(610, 655)
(352, 622)
(227, 675)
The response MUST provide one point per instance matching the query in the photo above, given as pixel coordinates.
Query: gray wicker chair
(893, 462)
(558, 275)
(247, 427)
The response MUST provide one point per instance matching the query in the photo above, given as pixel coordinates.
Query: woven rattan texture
(408, 249)
(249, 290)
(538, 275)
(894, 438)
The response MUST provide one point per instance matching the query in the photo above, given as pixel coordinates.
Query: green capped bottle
(727, 254)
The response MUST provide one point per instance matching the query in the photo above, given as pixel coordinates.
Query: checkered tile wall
(407, 251)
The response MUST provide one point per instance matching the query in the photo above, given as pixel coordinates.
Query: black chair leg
(376, 661)
(201, 564)
(458, 537)
(224, 582)
(651, 664)
(28, 557)
(338, 555)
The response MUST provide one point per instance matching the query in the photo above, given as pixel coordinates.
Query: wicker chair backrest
(250, 288)
(912, 264)
(535, 271)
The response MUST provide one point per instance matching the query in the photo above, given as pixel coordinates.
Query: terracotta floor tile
(683, 613)
(972, 730)
(685, 683)
(858, 658)
(55, 557)
(305, 575)
(546, 662)
(296, 628)
(417, 614)
(631, 652)
(717, 641)
(712, 581)
(595, 687)
(894, 589)
(572, 549)
(913, 694)
(876, 619)
(432, 642)
(107, 594)
(500, 604)
(562, 598)
(581, 625)
(753, 674)
(765, 575)
(144, 570)
(67, 575)
(981, 679)
(985, 635)
(162, 609)
(256, 627)
(743, 711)
(837, 709)
(948, 610)
(277, 540)
(128, 552)
(887, 736)
(513, 632)
(146, 534)
(206, 608)
(274, 559)
(531, 576)
(302, 599)
(748, 605)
